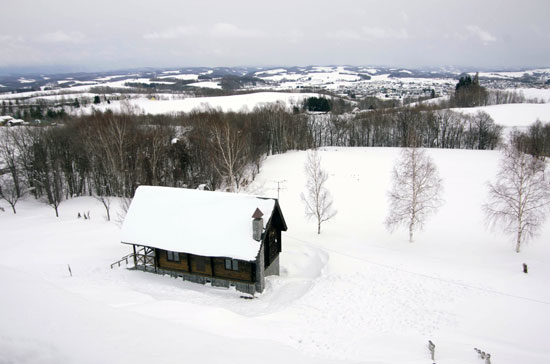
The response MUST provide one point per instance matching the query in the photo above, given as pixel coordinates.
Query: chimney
(257, 225)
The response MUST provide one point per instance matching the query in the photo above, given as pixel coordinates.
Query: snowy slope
(513, 115)
(355, 293)
(542, 94)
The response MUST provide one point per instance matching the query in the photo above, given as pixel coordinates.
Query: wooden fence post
(431, 347)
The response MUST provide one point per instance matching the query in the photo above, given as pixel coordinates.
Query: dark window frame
(172, 256)
(231, 264)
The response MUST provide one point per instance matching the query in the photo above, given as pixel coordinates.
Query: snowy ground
(353, 294)
(541, 94)
(245, 102)
(513, 115)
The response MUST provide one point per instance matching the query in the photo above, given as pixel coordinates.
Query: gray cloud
(60, 36)
(172, 33)
(110, 35)
(385, 33)
(484, 36)
(228, 30)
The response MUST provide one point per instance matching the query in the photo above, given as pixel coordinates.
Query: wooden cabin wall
(243, 274)
(206, 266)
(164, 263)
(201, 265)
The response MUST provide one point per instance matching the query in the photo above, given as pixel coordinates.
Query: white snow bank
(43, 323)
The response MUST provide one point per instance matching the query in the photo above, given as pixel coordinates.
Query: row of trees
(422, 127)
(535, 140)
(108, 154)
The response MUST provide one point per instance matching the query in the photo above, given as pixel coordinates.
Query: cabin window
(231, 264)
(173, 256)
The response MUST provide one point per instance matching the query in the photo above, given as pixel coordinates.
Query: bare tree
(520, 198)
(416, 191)
(9, 192)
(317, 200)
(229, 153)
(111, 138)
(106, 201)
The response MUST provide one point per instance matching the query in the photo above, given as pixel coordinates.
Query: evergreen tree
(317, 104)
(469, 93)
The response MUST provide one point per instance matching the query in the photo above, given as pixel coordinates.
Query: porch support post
(135, 258)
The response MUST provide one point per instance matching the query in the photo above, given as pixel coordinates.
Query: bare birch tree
(520, 198)
(229, 153)
(317, 200)
(416, 191)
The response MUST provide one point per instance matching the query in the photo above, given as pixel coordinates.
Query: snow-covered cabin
(204, 236)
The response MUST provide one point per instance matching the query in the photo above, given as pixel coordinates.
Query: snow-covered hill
(353, 294)
(169, 104)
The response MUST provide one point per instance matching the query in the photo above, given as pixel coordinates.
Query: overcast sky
(114, 34)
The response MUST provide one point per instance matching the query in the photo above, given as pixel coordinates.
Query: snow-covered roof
(198, 222)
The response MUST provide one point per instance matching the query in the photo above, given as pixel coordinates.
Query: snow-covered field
(513, 115)
(542, 94)
(353, 294)
(225, 103)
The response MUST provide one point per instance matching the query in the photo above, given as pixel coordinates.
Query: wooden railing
(127, 257)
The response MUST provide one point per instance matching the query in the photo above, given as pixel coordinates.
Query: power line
(464, 285)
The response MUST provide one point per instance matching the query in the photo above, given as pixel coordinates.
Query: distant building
(224, 239)
(10, 121)
(5, 119)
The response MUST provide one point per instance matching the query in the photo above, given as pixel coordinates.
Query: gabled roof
(206, 223)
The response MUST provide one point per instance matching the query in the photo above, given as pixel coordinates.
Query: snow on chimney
(257, 225)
